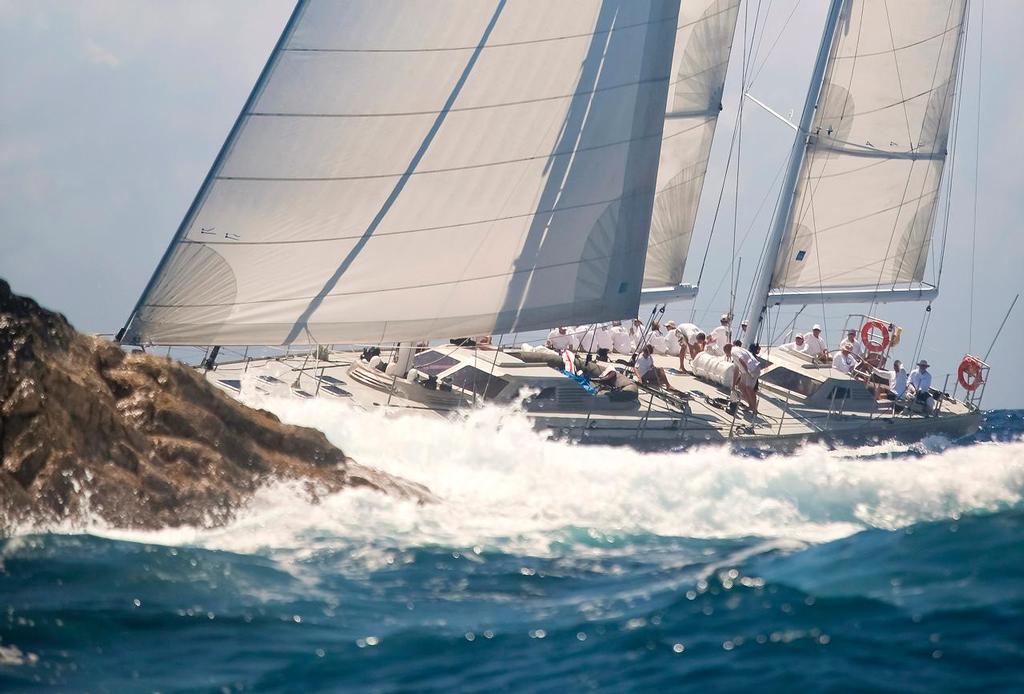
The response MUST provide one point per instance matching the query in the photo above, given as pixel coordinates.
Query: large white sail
(864, 210)
(699, 66)
(427, 168)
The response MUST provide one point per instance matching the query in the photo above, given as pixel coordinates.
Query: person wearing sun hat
(921, 383)
(720, 336)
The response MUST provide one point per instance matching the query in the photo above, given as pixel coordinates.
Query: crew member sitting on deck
(798, 345)
(844, 361)
(646, 372)
(560, 339)
(671, 343)
(920, 385)
(656, 339)
(621, 344)
(636, 336)
(720, 336)
(748, 368)
(816, 344)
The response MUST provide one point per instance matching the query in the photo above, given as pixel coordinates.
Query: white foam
(505, 486)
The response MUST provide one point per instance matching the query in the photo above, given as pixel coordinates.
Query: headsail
(703, 46)
(864, 210)
(427, 168)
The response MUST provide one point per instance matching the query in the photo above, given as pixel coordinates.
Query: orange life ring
(969, 374)
(865, 336)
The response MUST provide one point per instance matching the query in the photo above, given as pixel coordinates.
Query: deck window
(475, 380)
(432, 363)
(790, 380)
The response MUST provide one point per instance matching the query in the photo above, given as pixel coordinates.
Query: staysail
(861, 222)
(703, 46)
(427, 168)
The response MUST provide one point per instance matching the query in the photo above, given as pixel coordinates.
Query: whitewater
(547, 566)
(504, 486)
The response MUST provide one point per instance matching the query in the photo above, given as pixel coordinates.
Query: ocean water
(553, 568)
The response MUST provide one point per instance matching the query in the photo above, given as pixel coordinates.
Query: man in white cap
(798, 345)
(671, 342)
(816, 344)
(720, 336)
(920, 385)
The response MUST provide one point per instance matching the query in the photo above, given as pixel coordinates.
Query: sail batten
(863, 212)
(428, 169)
(701, 60)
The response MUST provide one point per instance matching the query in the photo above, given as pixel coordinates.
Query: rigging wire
(977, 159)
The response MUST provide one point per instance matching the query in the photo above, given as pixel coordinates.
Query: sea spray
(504, 486)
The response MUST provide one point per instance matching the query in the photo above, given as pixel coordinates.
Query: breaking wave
(505, 487)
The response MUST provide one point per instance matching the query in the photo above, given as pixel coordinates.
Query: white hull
(698, 417)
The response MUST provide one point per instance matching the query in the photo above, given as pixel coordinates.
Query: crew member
(856, 346)
(895, 381)
(798, 345)
(671, 343)
(816, 344)
(920, 385)
(621, 344)
(656, 338)
(646, 372)
(748, 368)
(844, 361)
(691, 343)
(560, 339)
(720, 336)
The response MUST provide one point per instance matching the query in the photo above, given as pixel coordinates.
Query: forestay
(410, 169)
(862, 218)
(699, 67)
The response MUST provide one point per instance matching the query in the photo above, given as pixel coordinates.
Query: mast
(759, 302)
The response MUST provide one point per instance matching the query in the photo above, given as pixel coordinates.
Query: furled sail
(699, 66)
(864, 209)
(427, 168)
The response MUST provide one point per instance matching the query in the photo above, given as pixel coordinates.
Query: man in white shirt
(896, 381)
(645, 370)
(844, 362)
(920, 385)
(691, 343)
(636, 336)
(748, 368)
(656, 338)
(621, 343)
(671, 343)
(816, 344)
(856, 346)
(720, 336)
(798, 345)
(559, 339)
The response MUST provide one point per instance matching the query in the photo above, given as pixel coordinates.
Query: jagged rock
(139, 440)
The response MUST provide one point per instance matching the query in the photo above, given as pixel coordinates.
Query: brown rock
(139, 440)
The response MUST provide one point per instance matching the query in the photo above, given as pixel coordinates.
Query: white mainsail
(703, 46)
(864, 210)
(427, 168)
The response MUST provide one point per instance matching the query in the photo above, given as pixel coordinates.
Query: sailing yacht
(407, 172)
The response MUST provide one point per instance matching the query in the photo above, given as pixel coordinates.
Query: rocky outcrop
(138, 440)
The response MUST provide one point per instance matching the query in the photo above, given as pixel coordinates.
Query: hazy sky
(112, 111)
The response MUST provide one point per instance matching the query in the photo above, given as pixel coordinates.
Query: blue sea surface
(890, 569)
